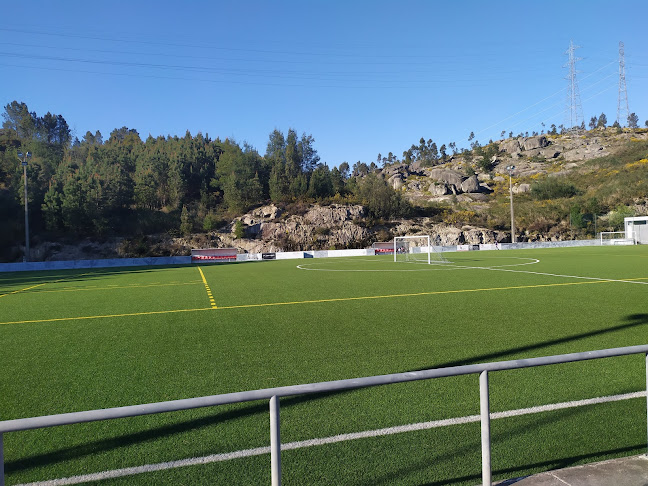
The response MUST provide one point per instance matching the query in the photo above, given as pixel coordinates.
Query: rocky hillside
(464, 200)
(553, 155)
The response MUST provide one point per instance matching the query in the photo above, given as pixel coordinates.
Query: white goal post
(416, 249)
(615, 238)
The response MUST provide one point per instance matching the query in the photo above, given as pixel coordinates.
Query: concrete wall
(111, 262)
(245, 257)
(549, 244)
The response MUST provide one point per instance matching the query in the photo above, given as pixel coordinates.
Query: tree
(553, 130)
(633, 120)
(380, 199)
(344, 170)
(337, 181)
(276, 158)
(124, 136)
(93, 140)
(444, 155)
(186, 226)
(593, 123)
(602, 121)
(321, 184)
(237, 174)
(307, 153)
(239, 229)
(360, 169)
(19, 120)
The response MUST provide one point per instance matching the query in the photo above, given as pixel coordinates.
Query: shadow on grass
(394, 477)
(126, 440)
(633, 320)
(77, 274)
(549, 465)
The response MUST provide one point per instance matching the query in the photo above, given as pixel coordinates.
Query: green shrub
(553, 188)
(239, 229)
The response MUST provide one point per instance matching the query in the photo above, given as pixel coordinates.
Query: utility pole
(622, 106)
(23, 159)
(510, 170)
(575, 109)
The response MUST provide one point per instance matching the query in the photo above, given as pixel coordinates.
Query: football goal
(416, 249)
(615, 238)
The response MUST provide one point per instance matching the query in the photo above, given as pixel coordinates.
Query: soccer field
(90, 339)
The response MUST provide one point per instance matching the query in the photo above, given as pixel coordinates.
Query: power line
(548, 98)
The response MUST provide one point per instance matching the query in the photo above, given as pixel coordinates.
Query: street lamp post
(23, 159)
(510, 169)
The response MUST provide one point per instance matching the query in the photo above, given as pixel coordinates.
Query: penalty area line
(21, 290)
(258, 451)
(80, 318)
(414, 294)
(316, 301)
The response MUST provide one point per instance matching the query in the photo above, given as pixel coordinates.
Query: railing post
(484, 409)
(1, 461)
(275, 441)
(647, 388)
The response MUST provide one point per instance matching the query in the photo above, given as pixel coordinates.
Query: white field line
(437, 266)
(603, 279)
(193, 461)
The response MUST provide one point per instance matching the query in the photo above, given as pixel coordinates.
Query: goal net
(615, 238)
(416, 249)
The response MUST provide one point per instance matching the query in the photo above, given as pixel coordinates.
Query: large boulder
(396, 182)
(391, 170)
(334, 214)
(511, 146)
(521, 188)
(470, 185)
(550, 153)
(438, 189)
(415, 186)
(531, 143)
(266, 212)
(447, 175)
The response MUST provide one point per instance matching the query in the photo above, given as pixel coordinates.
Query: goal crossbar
(416, 249)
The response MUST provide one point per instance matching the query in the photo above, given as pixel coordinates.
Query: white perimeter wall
(110, 262)
(244, 257)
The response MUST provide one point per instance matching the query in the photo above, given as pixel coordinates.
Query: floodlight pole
(23, 159)
(510, 169)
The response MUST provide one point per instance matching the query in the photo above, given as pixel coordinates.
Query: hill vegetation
(566, 185)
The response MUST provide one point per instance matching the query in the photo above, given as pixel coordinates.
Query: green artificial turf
(89, 339)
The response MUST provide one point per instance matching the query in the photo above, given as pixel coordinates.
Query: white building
(636, 228)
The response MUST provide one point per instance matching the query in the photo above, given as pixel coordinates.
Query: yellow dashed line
(209, 293)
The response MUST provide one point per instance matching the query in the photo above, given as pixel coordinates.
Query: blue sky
(362, 77)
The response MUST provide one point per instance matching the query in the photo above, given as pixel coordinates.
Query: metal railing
(274, 394)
